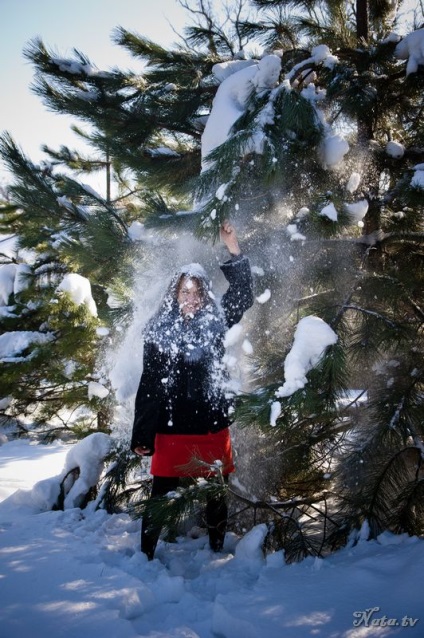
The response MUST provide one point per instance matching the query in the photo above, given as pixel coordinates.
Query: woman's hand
(229, 237)
(141, 450)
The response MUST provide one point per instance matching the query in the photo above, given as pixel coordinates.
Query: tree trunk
(108, 177)
(103, 421)
(362, 19)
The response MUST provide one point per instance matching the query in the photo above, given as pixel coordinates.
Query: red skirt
(179, 454)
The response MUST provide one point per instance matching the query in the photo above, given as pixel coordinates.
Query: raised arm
(239, 296)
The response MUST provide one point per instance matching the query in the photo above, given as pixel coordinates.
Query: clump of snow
(330, 212)
(7, 311)
(65, 202)
(392, 37)
(330, 61)
(136, 231)
(353, 182)
(395, 149)
(8, 245)
(357, 210)
(7, 282)
(417, 180)
(88, 457)
(13, 343)
(411, 48)
(113, 300)
(239, 81)
(257, 270)
(102, 331)
(302, 212)
(232, 95)
(247, 347)
(264, 297)
(250, 546)
(233, 335)
(223, 70)
(294, 234)
(13, 279)
(311, 338)
(96, 389)
(332, 150)
(162, 151)
(81, 68)
(320, 54)
(91, 191)
(268, 72)
(220, 193)
(79, 289)
(275, 413)
(313, 93)
(21, 278)
(69, 368)
(5, 402)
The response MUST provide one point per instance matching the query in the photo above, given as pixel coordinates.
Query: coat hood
(168, 312)
(194, 270)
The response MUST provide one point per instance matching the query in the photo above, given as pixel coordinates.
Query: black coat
(182, 388)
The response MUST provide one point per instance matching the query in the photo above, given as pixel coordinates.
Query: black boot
(216, 520)
(149, 531)
(149, 537)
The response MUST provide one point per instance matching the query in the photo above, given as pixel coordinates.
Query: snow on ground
(80, 574)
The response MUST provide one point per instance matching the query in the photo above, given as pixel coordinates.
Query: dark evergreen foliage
(346, 451)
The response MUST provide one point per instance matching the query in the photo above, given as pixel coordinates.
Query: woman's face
(189, 296)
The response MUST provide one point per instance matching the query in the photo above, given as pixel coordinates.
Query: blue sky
(63, 25)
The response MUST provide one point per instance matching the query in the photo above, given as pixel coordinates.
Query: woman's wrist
(233, 248)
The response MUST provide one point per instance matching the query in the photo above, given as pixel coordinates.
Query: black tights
(216, 517)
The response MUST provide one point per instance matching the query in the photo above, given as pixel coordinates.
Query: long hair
(169, 308)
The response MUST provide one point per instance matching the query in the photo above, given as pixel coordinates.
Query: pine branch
(372, 313)
(186, 64)
(379, 507)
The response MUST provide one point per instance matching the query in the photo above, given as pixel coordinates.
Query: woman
(182, 409)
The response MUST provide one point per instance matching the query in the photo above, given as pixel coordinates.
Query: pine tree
(346, 465)
(50, 339)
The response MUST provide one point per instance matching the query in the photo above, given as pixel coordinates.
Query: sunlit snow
(81, 573)
(79, 289)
